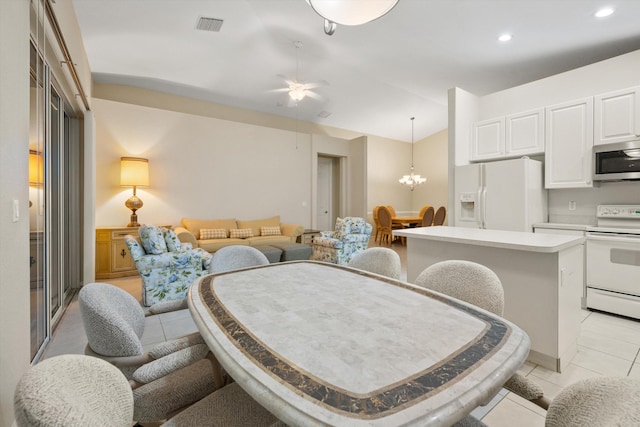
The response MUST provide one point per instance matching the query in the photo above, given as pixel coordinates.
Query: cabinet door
(617, 116)
(488, 139)
(122, 260)
(569, 144)
(525, 133)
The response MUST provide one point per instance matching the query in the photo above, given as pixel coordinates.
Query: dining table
(407, 221)
(323, 344)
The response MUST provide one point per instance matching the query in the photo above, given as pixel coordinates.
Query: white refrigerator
(502, 195)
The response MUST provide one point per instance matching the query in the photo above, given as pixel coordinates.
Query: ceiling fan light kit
(412, 180)
(350, 12)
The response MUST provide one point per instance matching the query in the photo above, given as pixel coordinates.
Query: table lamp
(134, 171)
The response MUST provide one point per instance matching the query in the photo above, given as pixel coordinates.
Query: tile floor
(608, 345)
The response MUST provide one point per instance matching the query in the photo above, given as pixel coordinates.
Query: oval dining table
(322, 344)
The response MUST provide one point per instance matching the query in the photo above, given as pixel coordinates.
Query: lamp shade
(352, 12)
(134, 171)
(36, 168)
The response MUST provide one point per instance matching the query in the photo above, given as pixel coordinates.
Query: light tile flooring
(608, 345)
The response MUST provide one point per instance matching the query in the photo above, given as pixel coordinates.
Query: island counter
(542, 277)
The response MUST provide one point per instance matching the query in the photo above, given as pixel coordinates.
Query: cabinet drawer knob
(123, 253)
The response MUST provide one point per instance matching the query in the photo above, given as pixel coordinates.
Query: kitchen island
(542, 277)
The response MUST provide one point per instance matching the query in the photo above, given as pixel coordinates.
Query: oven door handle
(629, 238)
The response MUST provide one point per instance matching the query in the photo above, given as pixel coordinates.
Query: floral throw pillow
(152, 239)
(171, 239)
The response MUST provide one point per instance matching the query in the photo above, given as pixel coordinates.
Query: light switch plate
(16, 211)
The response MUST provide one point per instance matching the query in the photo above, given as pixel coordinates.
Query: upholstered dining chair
(383, 261)
(438, 218)
(427, 217)
(73, 390)
(235, 257)
(478, 285)
(166, 377)
(80, 391)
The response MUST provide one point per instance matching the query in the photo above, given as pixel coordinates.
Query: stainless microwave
(617, 162)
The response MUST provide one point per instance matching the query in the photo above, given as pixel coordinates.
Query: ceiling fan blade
(282, 89)
(317, 84)
(313, 95)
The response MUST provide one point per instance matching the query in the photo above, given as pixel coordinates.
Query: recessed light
(604, 12)
(505, 37)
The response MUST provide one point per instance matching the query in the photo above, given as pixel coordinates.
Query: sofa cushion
(270, 231)
(240, 233)
(152, 239)
(213, 233)
(267, 240)
(172, 241)
(194, 225)
(214, 245)
(256, 224)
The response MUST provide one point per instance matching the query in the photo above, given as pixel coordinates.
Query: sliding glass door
(55, 218)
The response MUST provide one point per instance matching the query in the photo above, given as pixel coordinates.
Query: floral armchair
(350, 237)
(167, 267)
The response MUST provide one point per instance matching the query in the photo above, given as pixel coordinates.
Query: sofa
(214, 234)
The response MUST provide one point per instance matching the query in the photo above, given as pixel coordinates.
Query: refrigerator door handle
(483, 207)
(478, 210)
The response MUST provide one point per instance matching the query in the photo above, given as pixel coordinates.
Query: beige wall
(205, 167)
(212, 161)
(431, 162)
(14, 251)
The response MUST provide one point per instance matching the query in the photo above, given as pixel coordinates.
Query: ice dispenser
(468, 202)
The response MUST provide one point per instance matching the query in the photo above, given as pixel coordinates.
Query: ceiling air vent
(209, 24)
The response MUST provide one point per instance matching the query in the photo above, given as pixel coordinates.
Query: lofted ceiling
(377, 75)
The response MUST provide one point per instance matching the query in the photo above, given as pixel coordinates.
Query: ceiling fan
(297, 89)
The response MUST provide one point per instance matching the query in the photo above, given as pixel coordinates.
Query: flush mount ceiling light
(412, 180)
(505, 37)
(350, 12)
(604, 12)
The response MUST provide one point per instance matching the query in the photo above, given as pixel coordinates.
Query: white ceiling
(379, 74)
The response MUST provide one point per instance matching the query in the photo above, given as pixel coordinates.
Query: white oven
(613, 261)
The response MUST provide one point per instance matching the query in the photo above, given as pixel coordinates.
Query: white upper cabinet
(514, 135)
(525, 133)
(488, 139)
(617, 116)
(569, 144)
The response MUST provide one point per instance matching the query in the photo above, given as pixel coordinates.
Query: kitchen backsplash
(585, 201)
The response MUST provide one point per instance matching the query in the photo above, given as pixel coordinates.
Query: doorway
(328, 195)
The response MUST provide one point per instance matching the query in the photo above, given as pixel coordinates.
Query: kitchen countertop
(517, 240)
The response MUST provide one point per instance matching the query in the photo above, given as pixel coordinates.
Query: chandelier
(412, 180)
(350, 12)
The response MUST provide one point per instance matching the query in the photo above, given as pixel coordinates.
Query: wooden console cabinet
(112, 256)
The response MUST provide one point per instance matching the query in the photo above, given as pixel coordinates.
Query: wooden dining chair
(384, 216)
(439, 216)
(376, 222)
(427, 217)
(423, 210)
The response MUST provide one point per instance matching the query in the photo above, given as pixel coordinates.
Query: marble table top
(321, 344)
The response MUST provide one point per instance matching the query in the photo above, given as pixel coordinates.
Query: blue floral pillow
(152, 239)
(171, 239)
(339, 231)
